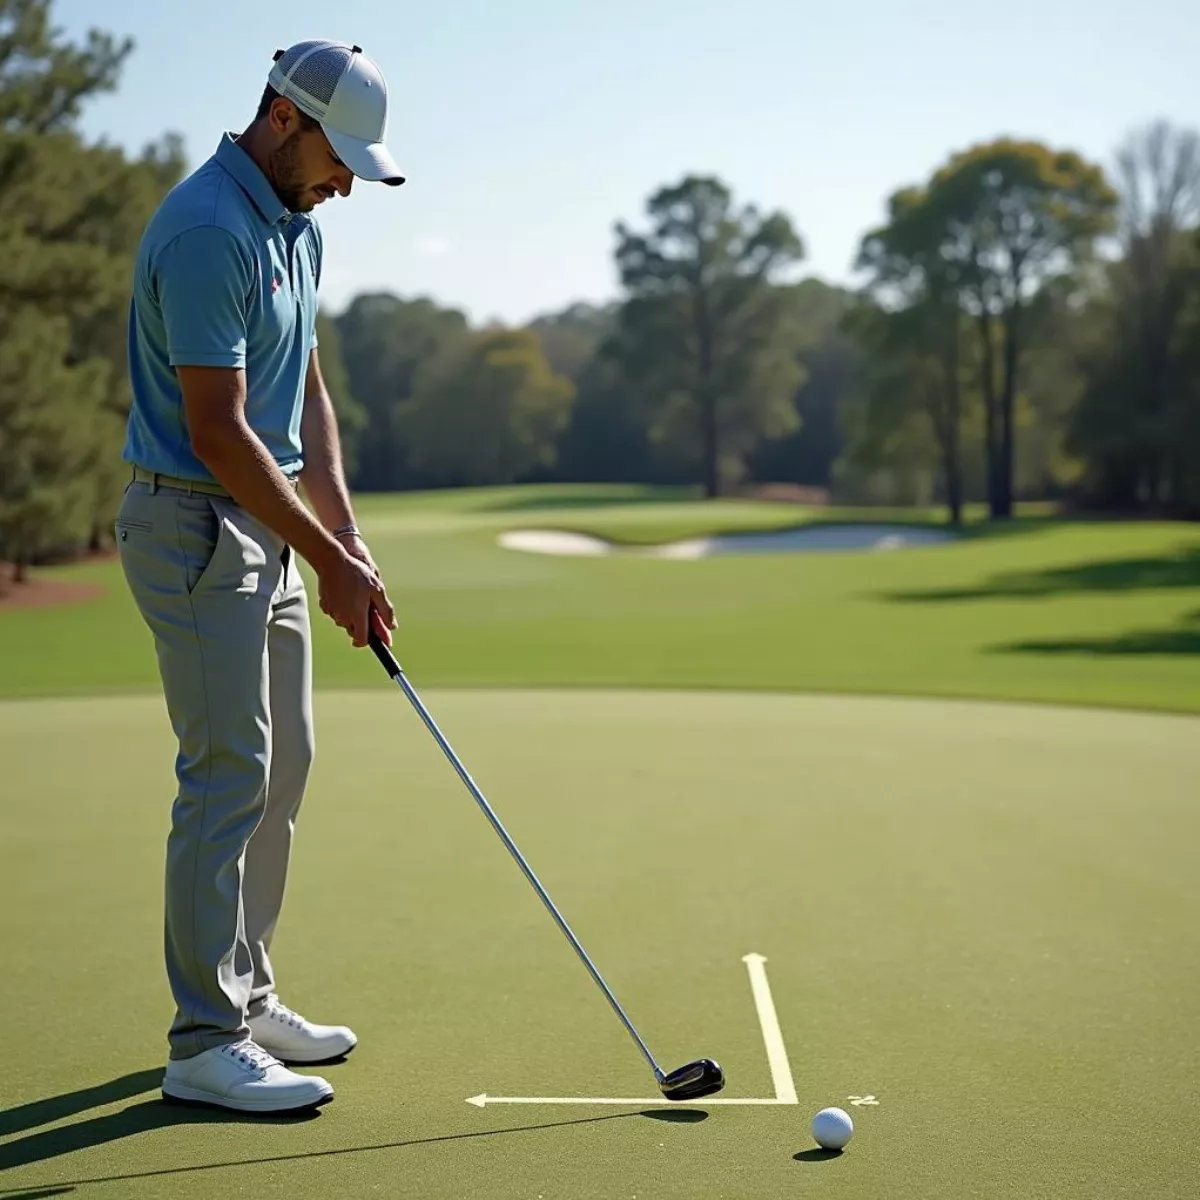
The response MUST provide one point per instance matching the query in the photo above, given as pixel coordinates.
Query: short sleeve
(203, 280)
(318, 253)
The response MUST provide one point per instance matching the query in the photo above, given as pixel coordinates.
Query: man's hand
(357, 548)
(349, 588)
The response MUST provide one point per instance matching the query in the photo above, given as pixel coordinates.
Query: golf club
(700, 1078)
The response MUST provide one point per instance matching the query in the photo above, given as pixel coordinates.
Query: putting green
(984, 916)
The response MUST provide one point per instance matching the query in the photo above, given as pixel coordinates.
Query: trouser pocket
(200, 532)
(168, 543)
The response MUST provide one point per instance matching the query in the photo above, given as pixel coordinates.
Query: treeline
(1028, 327)
(71, 214)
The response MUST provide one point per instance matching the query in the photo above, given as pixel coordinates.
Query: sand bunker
(818, 539)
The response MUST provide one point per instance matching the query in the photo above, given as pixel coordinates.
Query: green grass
(983, 915)
(1091, 613)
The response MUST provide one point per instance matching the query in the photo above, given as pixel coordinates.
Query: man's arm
(323, 474)
(214, 401)
(324, 479)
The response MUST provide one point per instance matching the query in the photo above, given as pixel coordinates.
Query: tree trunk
(946, 411)
(1008, 397)
(712, 450)
(19, 569)
(953, 447)
(709, 435)
(991, 423)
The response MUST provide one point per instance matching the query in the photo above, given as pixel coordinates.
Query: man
(230, 417)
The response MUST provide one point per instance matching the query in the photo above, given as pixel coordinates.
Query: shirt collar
(248, 175)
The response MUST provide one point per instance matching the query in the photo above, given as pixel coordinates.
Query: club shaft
(399, 676)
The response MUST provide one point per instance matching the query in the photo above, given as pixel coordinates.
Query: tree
(913, 337)
(705, 335)
(351, 416)
(44, 81)
(488, 412)
(1135, 426)
(123, 196)
(570, 338)
(829, 360)
(70, 218)
(44, 488)
(1008, 217)
(989, 238)
(384, 342)
(912, 380)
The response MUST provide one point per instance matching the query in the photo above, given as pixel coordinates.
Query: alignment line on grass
(768, 1019)
(781, 1071)
(483, 1100)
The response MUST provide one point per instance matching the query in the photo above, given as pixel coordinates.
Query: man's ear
(282, 115)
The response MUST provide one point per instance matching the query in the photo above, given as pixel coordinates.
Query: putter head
(693, 1080)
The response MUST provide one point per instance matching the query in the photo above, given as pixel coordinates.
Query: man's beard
(285, 173)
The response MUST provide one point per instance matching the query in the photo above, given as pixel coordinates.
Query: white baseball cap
(340, 87)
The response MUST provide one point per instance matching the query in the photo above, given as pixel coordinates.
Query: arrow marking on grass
(781, 1071)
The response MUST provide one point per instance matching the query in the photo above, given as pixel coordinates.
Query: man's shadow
(159, 1114)
(137, 1118)
(55, 1108)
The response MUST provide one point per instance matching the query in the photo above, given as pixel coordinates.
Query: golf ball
(832, 1128)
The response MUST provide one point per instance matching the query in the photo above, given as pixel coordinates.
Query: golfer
(230, 418)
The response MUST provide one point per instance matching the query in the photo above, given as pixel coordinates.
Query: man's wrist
(342, 531)
(321, 549)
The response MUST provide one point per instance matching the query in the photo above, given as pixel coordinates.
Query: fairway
(1071, 612)
(984, 916)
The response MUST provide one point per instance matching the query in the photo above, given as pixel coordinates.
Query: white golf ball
(832, 1128)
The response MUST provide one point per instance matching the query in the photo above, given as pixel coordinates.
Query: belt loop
(153, 482)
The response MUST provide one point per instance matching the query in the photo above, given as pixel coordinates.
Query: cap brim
(368, 160)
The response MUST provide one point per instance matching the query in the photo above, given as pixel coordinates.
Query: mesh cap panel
(315, 68)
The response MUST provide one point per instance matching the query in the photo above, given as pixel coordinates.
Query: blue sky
(528, 128)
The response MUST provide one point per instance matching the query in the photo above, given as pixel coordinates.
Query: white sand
(552, 541)
(823, 538)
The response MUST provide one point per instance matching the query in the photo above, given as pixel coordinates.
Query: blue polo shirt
(225, 276)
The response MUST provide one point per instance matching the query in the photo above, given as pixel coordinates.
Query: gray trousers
(225, 602)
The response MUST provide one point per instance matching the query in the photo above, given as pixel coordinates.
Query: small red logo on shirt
(275, 282)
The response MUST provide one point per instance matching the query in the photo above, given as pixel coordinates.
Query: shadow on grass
(1180, 569)
(55, 1108)
(817, 1154)
(40, 1193)
(676, 1116)
(1178, 639)
(156, 1115)
(129, 1122)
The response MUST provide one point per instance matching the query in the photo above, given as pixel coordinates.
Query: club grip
(386, 658)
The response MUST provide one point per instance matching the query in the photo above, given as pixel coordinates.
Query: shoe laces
(250, 1055)
(278, 1011)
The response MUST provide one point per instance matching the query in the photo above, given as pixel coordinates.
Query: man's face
(304, 169)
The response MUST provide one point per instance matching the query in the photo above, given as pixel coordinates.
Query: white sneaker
(292, 1039)
(244, 1077)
